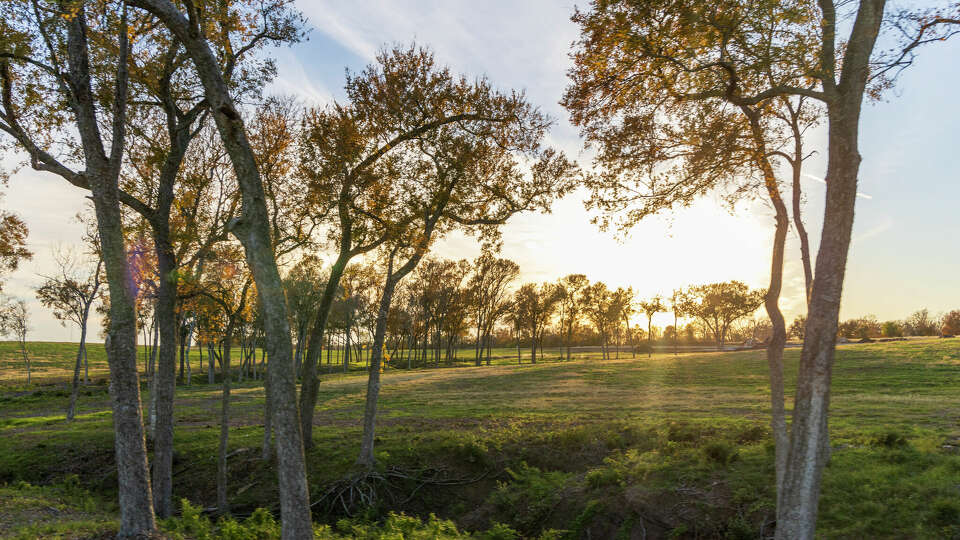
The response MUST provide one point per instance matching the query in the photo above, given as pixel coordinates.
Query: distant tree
(597, 300)
(719, 305)
(921, 323)
(951, 323)
(15, 321)
(651, 307)
(534, 306)
(13, 243)
(676, 306)
(571, 306)
(860, 328)
(488, 293)
(798, 326)
(891, 329)
(70, 295)
(302, 285)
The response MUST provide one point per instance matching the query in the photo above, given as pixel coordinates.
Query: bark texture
(166, 379)
(797, 513)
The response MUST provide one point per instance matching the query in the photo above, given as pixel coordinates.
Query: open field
(669, 445)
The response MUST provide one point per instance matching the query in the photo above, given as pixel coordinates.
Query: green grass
(669, 445)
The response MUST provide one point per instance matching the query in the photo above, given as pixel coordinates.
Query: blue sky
(903, 257)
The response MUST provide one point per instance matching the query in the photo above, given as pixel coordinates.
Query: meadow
(668, 446)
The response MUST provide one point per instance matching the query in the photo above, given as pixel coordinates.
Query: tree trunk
(366, 458)
(150, 350)
(211, 376)
(265, 455)
(797, 515)
(797, 167)
(86, 367)
(223, 505)
(778, 338)
(165, 388)
(75, 385)
(133, 474)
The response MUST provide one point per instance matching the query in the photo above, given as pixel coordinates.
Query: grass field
(670, 446)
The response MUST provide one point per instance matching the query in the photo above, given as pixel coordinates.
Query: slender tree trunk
(366, 458)
(150, 352)
(211, 376)
(797, 514)
(223, 505)
(798, 221)
(165, 388)
(75, 385)
(778, 338)
(86, 367)
(311, 382)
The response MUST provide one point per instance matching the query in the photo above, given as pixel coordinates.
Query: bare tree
(15, 321)
(70, 295)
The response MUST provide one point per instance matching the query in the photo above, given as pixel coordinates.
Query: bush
(890, 439)
(529, 497)
(720, 453)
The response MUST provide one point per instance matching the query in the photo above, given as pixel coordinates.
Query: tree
(796, 328)
(227, 287)
(691, 44)
(891, 329)
(921, 323)
(253, 229)
(651, 307)
(672, 94)
(13, 242)
(860, 328)
(70, 295)
(47, 80)
(597, 302)
(676, 306)
(950, 323)
(534, 307)
(571, 306)
(719, 305)
(470, 176)
(15, 321)
(351, 153)
(301, 285)
(488, 288)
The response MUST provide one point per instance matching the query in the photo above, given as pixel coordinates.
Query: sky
(904, 252)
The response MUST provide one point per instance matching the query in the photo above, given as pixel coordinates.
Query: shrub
(529, 497)
(891, 439)
(720, 453)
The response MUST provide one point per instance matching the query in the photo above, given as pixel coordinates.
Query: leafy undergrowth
(668, 447)
(261, 525)
(64, 511)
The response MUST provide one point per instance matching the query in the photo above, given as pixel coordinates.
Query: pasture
(668, 446)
